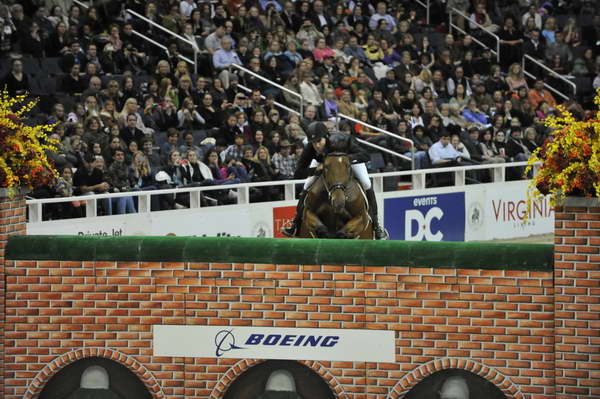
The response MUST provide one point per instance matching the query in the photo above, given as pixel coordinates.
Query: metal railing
(277, 104)
(552, 73)
(383, 131)
(280, 87)
(467, 18)
(418, 179)
(170, 32)
(426, 6)
(146, 38)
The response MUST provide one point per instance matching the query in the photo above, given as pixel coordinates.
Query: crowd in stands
(132, 116)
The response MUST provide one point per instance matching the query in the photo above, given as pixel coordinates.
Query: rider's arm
(356, 153)
(303, 169)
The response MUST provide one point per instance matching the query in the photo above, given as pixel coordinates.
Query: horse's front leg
(355, 226)
(314, 226)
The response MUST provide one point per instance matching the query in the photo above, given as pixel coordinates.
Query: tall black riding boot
(380, 233)
(292, 231)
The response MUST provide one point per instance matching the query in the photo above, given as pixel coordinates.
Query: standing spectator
(16, 81)
(511, 41)
(122, 179)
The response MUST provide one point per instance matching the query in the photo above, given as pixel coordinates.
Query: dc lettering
(423, 222)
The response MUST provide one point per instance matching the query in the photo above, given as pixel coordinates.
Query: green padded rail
(284, 251)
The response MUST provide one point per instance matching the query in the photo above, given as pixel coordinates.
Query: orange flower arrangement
(570, 158)
(23, 160)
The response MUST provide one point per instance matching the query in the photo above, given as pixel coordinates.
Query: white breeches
(359, 170)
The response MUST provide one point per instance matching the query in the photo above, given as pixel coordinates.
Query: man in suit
(320, 19)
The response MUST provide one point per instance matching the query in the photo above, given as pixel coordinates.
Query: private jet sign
(274, 343)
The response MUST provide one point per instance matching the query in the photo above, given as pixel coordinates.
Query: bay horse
(335, 205)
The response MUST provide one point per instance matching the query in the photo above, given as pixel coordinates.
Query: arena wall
(501, 311)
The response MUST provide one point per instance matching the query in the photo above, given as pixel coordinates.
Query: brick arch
(502, 382)
(140, 371)
(240, 367)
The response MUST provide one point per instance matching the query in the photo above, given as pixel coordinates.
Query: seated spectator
(515, 78)
(539, 94)
(195, 172)
(73, 83)
(223, 58)
(188, 117)
(474, 115)
(516, 149)
(64, 188)
(235, 150)
(489, 151)
(130, 132)
(531, 139)
(309, 90)
(442, 153)
(90, 179)
(422, 144)
(460, 147)
(284, 162)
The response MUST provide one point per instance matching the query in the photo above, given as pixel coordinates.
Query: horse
(335, 205)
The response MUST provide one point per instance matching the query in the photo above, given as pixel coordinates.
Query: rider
(320, 144)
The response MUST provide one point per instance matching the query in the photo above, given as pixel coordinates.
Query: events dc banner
(436, 217)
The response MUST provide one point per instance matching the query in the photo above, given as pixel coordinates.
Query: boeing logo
(225, 341)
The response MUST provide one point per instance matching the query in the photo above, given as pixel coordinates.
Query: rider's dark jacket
(336, 142)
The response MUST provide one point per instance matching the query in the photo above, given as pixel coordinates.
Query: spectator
(16, 81)
(442, 153)
(473, 114)
(309, 90)
(284, 162)
(560, 48)
(122, 179)
(489, 150)
(382, 14)
(539, 94)
(90, 180)
(64, 188)
(223, 58)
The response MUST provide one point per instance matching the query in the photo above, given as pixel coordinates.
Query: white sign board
(274, 343)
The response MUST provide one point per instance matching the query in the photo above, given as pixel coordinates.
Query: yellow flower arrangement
(570, 158)
(23, 160)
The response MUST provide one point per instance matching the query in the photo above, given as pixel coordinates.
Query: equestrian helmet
(316, 131)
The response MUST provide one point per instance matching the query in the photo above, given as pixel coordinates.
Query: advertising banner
(434, 217)
(506, 208)
(274, 343)
(282, 216)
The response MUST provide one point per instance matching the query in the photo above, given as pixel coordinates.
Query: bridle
(336, 186)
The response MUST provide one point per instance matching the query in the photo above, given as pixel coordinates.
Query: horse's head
(337, 173)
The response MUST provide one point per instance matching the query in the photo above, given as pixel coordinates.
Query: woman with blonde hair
(131, 107)
(516, 78)
(422, 80)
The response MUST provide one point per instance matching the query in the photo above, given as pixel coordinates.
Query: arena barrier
(173, 317)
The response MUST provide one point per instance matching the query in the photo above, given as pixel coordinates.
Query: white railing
(171, 33)
(418, 179)
(383, 131)
(467, 18)
(280, 87)
(529, 58)
(426, 5)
